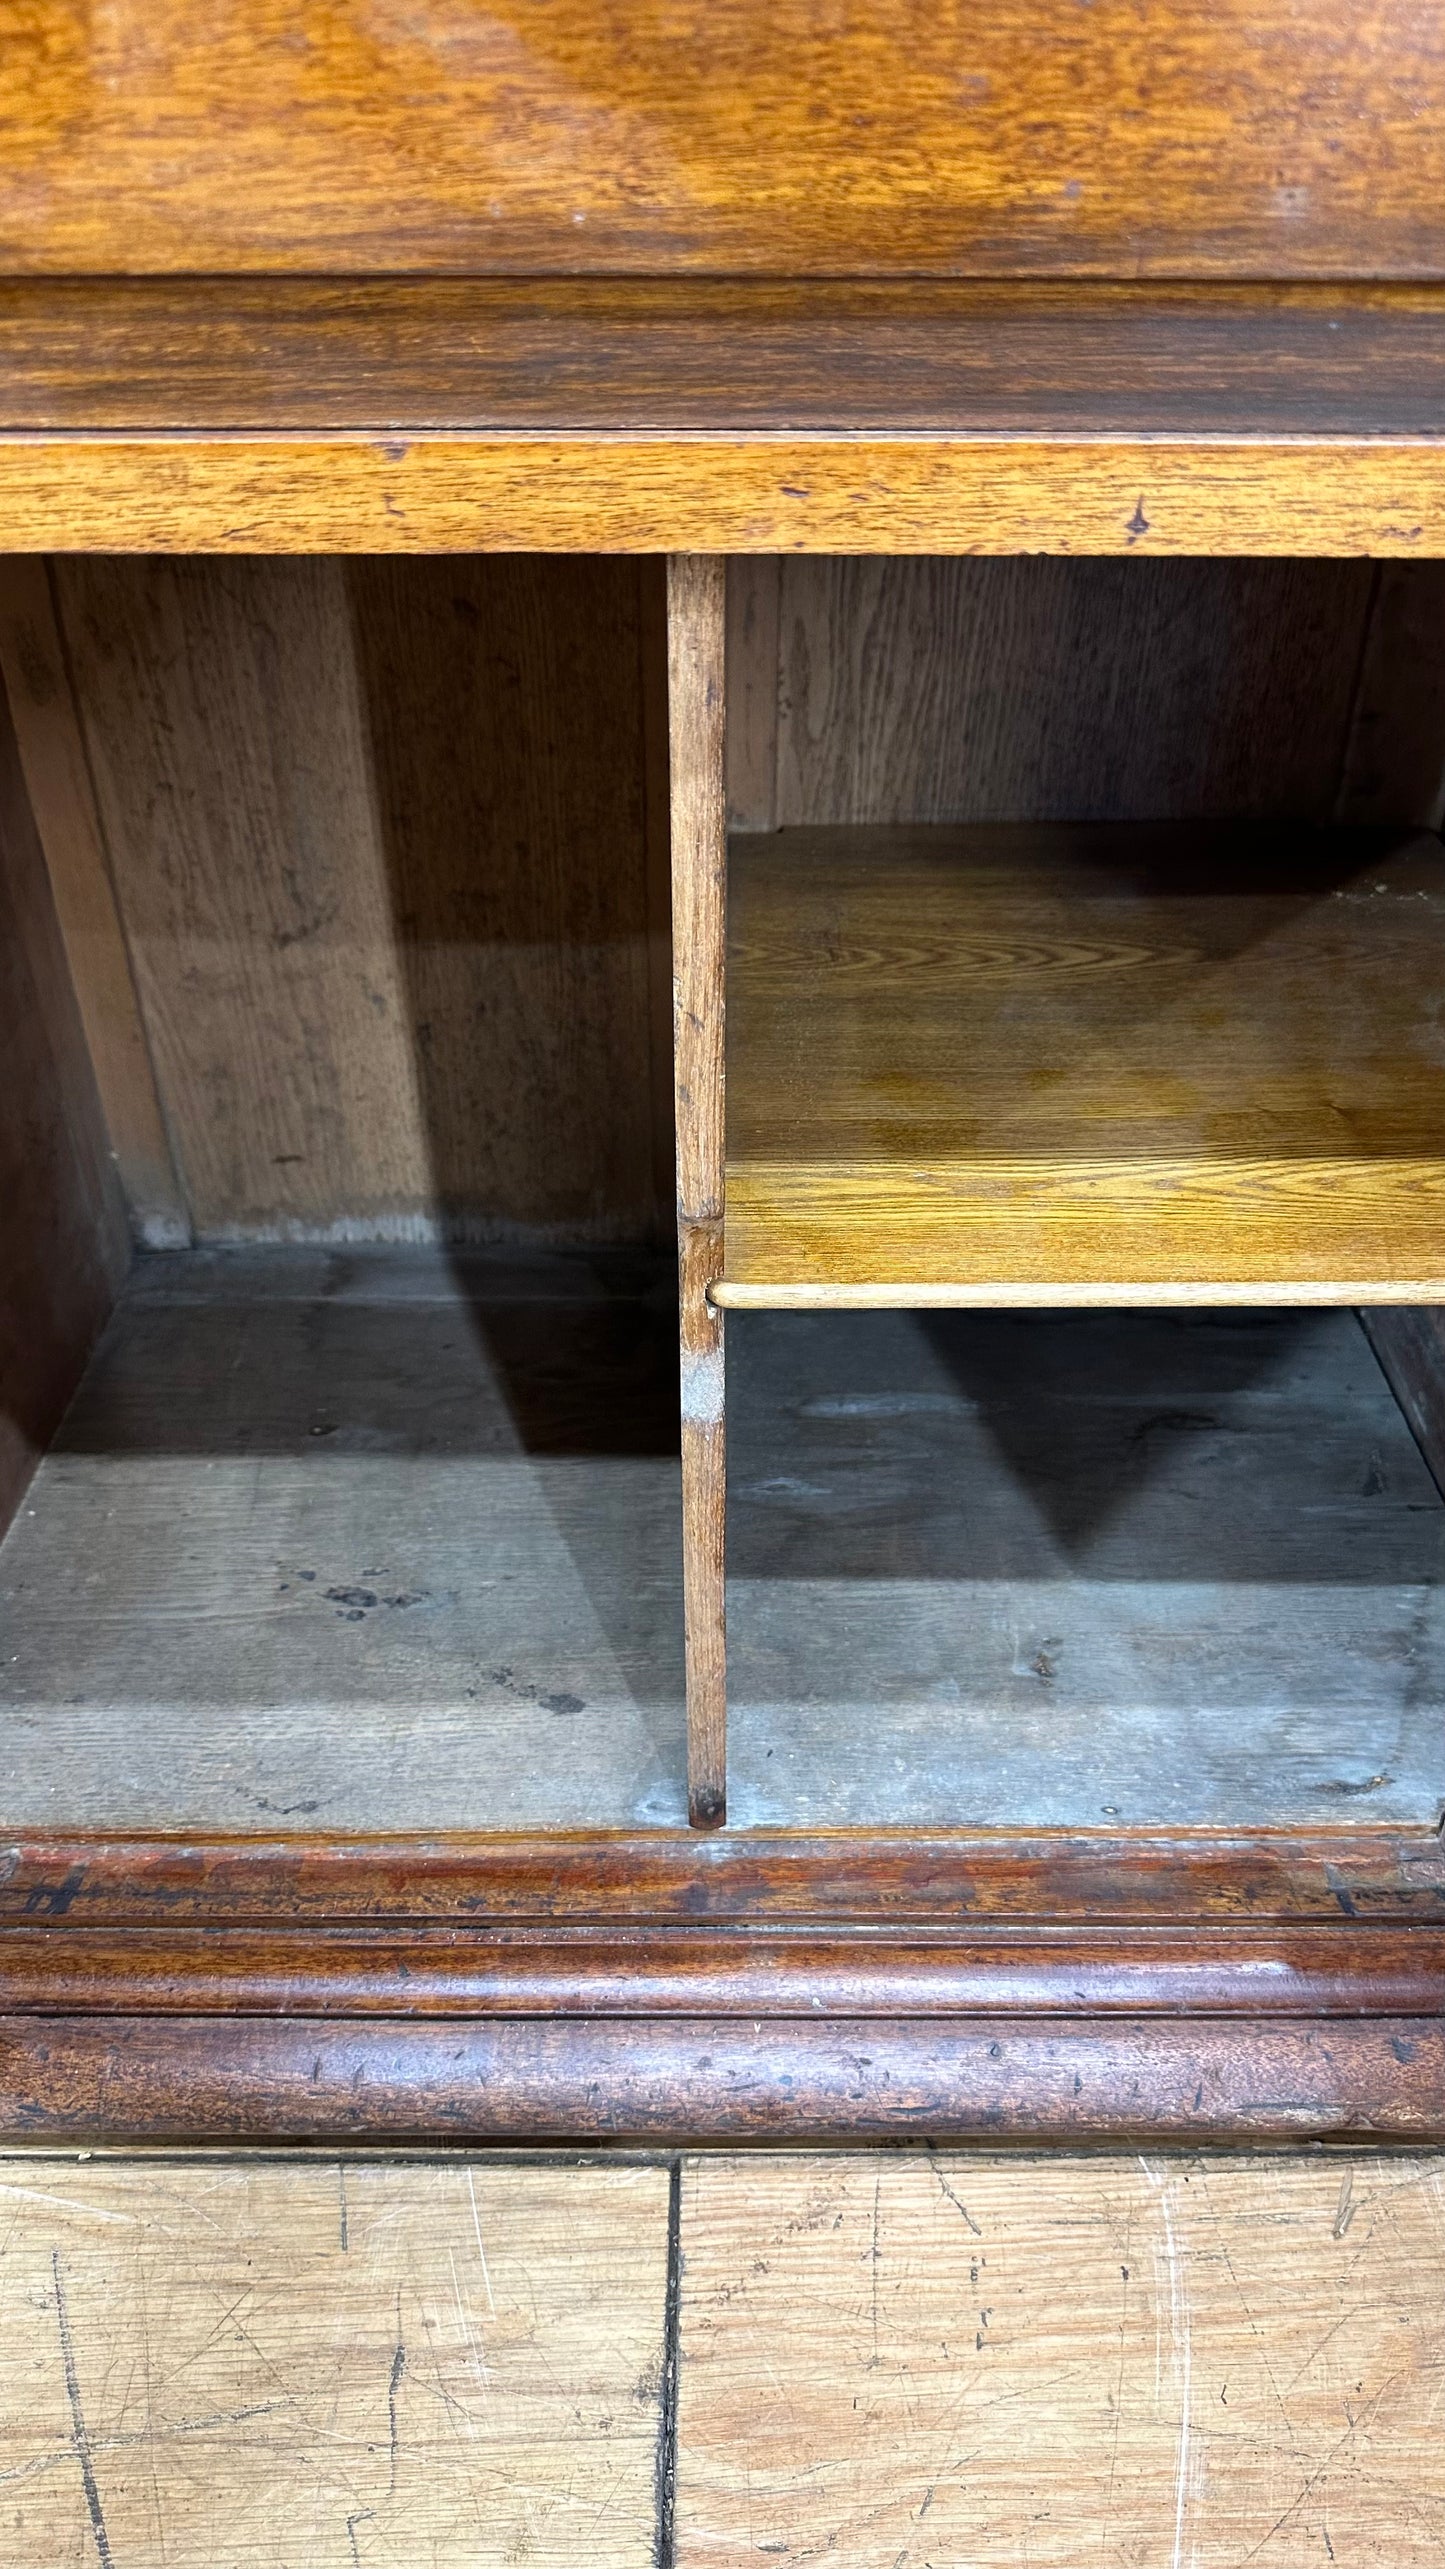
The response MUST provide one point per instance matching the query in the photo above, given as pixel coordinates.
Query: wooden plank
(339, 492)
(62, 798)
(1104, 1065)
(661, 2079)
(1394, 766)
(720, 357)
(379, 846)
(505, 712)
(846, 1972)
(911, 139)
(1357, 1875)
(1411, 1347)
(64, 1243)
(405, 1526)
(935, 690)
(753, 678)
(447, 2363)
(1172, 2358)
(697, 655)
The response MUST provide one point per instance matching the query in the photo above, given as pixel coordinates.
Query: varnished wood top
(893, 137)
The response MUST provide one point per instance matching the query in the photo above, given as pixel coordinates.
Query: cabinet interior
(338, 1354)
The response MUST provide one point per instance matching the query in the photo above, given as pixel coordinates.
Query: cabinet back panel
(379, 835)
(876, 691)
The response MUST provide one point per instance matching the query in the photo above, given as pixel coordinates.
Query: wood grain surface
(915, 2357)
(53, 753)
(380, 2364)
(319, 492)
(707, 355)
(64, 1241)
(975, 2357)
(1025, 137)
(603, 1879)
(697, 644)
(677, 2078)
(1103, 1065)
(378, 836)
(924, 690)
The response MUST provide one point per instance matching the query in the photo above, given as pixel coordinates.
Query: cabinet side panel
(64, 1241)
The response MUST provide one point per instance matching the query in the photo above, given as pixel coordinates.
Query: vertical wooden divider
(696, 659)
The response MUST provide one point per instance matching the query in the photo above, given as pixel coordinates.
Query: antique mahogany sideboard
(481, 443)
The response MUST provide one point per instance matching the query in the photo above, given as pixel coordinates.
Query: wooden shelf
(1091, 1065)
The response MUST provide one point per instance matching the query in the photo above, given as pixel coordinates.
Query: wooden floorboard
(911, 2362)
(882, 2360)
(352, 2367)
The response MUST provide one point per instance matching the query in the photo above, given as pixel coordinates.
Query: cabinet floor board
(389, 1541)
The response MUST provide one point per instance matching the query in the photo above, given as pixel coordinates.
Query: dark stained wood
(726, 1969)
(672, 1984)
(927, 690)
(64, 1243)
(1230, 137)
(1358, 1875)
(720, 357)
(96, 2078)
(1410, 1344)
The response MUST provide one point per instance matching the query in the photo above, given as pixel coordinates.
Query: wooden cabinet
(822, 645)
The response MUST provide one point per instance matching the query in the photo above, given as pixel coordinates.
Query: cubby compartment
(1087, 930)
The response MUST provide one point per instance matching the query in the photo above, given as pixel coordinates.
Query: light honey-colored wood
(697, 653)
(633, 493)
(62, 798)
(1087, 1065)
(928, 2359)
(441, 2366)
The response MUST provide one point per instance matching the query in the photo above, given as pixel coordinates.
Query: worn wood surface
(374, 2363)
(716, 356)
(839, 1969)
(1136, 2359)
(1091, 1063)
(1246, 140)
(763, 492)
(697, 652)
(672, 2079)
(1015, 1571)
(379, 844)
(64, 1245)
(56, 762)
(915, 2357)
(1364, 1875)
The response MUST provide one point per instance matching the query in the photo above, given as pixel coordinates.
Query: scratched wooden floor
(899, 2360)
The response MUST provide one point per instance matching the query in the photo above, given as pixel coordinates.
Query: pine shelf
(1092, 1065)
